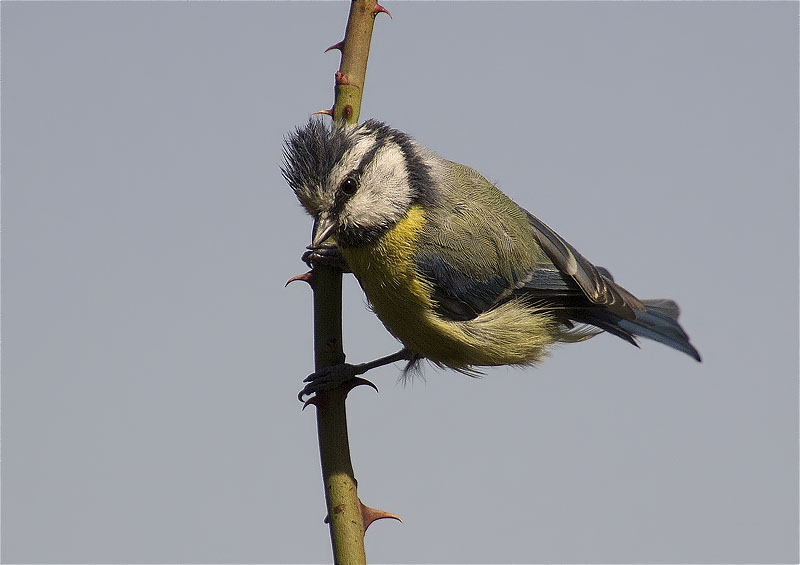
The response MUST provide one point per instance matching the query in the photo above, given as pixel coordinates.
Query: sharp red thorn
(357, 381)
(378, 9)
(325, 112)
(369, 515)
(338, 46)
(305, 277)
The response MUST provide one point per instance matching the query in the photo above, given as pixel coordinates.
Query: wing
(461, 296)
(476, 248)
(598, 286)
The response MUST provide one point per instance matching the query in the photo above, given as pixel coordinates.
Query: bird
(455, 270)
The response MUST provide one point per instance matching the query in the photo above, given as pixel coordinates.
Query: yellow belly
(385, 270)
(512, 333)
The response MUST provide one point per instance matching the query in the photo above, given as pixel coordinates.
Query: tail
(658, 322)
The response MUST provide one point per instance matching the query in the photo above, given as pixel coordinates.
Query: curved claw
(358, 381)
(306, 403)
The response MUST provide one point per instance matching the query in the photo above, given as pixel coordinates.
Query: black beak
(323, 229)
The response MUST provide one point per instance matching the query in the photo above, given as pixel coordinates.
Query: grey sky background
(151, 355)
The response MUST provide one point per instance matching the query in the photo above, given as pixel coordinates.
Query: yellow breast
(512, 333)
(386, 272)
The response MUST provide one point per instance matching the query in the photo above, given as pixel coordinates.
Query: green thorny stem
(347, 517)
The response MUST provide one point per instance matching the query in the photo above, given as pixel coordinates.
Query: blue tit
(455, 270)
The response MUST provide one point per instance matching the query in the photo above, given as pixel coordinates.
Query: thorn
(369, 515)
(327, 520)
(341, 78)
(325, 112)
(338, 46)
(378, 9)
(357, 381)
(305, 277)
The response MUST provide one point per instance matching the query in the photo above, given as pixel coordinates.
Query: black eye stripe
(418, 171)
(368, 157)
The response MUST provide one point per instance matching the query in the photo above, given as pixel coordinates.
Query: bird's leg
(335, 375)
(326, 254)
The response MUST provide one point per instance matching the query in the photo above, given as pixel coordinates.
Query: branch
(347, 516)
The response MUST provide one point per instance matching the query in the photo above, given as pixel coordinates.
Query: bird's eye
(349, 185)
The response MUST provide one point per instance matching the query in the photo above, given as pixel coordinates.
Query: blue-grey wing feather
(459, 296)
(599, 289)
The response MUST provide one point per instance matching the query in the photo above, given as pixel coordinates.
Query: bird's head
(356, 181)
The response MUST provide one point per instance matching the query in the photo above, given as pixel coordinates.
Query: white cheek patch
(384, 193)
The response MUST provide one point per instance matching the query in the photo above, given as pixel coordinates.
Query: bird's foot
(328, 255)
(346, 375)
(332, 377)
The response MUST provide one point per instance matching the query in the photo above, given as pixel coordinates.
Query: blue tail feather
(658, 322)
